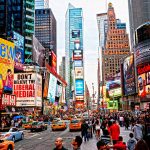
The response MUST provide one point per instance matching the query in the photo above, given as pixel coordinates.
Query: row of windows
(42, 11)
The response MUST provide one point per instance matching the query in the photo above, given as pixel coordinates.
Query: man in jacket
(131, 142)
(59, 144)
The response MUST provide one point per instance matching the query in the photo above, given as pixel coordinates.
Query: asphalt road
(45, 140)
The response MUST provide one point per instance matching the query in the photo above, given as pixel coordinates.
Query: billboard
(142, 53)
(58, 90)
(19, 50)
(75, 33)
(46, 84)
(8, 100)
(79, 72)
(112, 104)
(77, 55)
(52, 88)
(79, 98)
(7, 54)
(144, 85)
(78, 63)
(27, 88)
(77, 45)
(53, 60)
(115, 92)
(79, 87)
(38, 52)
(129, 76)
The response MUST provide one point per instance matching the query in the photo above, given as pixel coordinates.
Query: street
(45, 140)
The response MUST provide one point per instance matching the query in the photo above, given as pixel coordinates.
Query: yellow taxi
(27, 125)
(75, 124)
(59, 125)
(6, 145)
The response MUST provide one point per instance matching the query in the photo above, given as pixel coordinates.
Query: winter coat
(131, 143)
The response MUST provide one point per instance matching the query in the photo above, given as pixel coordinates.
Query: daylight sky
(90, 9)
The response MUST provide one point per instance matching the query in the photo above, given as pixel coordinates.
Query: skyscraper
(41, 4)
(62, 68)
(138, 14)
(74, 55)
(45, 29)
(116, 45)
(18, 16)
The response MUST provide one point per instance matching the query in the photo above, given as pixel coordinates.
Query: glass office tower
(74, 53)
(41, 4)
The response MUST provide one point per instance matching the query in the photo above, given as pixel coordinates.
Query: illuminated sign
(79, 98)
(78, 63)
(79, 86)
(75, 33)
(143, 69)
(77, 55)
(79, 72)
(112, 104)
(7, 53)
(115, 92)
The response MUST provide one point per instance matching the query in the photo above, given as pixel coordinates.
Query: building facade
(62, 68)
(116, 45)
(18, 16)
(138, 14)
(41, 4)
(45, 30)
(74, 56)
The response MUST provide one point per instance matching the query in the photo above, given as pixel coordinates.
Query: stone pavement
(91, 144)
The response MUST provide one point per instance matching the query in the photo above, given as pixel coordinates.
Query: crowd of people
(106, 129)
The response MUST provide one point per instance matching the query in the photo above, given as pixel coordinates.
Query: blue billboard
(78, 63)
(79, 86)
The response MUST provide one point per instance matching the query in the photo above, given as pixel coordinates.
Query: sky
(90, 30)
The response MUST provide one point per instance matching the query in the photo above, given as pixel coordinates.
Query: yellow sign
(7, 53)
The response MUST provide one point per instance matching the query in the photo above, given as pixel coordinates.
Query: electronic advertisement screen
(52, 88)
(129, 76)
(78, 63)
(79, 86)
(75, 33)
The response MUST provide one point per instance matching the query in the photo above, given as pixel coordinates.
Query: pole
(98, 80)
(93, 95)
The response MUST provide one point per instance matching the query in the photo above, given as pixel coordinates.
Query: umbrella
(18, 117)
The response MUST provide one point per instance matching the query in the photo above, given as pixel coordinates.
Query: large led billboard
(79, 87)
(129, 76)
(78, 63)
(52, 88)
(77, 55)
(79, 72)
(7, 54)
(75, 33)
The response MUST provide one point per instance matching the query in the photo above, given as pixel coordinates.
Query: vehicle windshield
(34, 123)
(74, 121)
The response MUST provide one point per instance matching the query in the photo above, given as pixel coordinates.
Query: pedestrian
(84, 131)
(93, 124)
(138, 131)
(59, 144)
(76, 143)
(115, 132)
(106, 137)
(131, 142)
(97, 127)
(101, 145)
(141, 145)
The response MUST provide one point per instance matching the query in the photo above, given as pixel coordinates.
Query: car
(27, 125)
(13, 134)
(75, 124)
(38, 126)
(56, 120)
(60, 125)
(6, 145)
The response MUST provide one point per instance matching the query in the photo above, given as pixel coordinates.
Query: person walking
(84, 130)
(59, 144)
(76, 143)
(115, 132)
(97, 128)
(131, 142)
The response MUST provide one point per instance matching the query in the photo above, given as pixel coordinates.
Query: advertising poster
(79, 72)
(53, 60)
(52, 88)
(38, 89)
(38, 52)
(8, 100)
(78, 63)
(112, 104)
(46, 85)
(77, 45)
(129, 76)
(58, 90)
(27, 88)
(77, 55)
(19, 50)
(75, 33)
(115, 92)
(7, 53)
(79, 86)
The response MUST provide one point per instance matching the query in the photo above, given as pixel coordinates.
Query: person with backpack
(131, 142)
